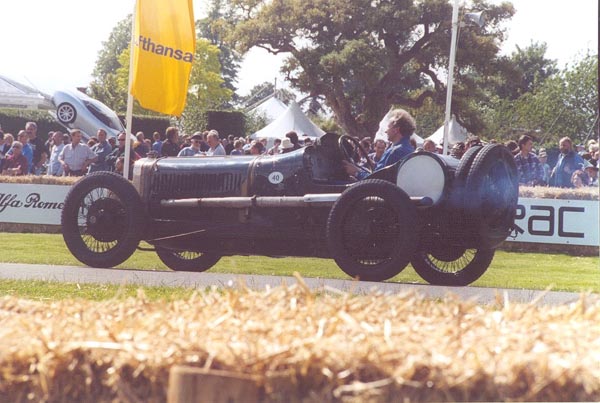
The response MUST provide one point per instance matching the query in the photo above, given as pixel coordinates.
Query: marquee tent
(292, 119)
(456, 133)
(19, 96)
(271, 108)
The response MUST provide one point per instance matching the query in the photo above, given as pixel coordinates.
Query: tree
(525, 70)
(105, 86)
(565, 104)
(206, 89)
(364, 56)
(213, 28)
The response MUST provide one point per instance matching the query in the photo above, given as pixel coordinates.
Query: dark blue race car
(442, 215)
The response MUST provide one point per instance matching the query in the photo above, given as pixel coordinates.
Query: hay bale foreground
(301, 346)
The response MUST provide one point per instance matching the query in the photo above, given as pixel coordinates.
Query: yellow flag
(164, 45)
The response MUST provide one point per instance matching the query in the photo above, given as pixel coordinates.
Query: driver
(401, 126)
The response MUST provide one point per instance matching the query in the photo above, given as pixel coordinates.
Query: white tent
(292, 119)
(383, 126)
(456, 133)
(19, 96)
(271, 108)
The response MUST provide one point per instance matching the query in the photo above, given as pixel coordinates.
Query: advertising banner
(32, 204)
(555, 221)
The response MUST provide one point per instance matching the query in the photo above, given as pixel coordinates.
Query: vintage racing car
(442, 215)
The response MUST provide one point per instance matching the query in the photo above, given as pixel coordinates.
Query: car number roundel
(275, 177)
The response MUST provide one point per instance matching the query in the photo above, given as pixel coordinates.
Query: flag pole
(129, 113)
(450, 77)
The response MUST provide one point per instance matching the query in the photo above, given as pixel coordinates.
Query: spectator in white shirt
(216, 148)
(76, 157)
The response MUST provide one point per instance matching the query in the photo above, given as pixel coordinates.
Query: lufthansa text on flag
(164, 47)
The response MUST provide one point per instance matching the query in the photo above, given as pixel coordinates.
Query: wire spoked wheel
(372, 230)
(452, 266)
(102, 220)
(369, 231)
(186, 260)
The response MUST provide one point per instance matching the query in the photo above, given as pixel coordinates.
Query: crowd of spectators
(64, 154)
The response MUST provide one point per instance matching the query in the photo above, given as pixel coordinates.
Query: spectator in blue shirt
(568, 162)
(401, 126)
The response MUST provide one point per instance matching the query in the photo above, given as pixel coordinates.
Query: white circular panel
(275, 177)
(422, 176)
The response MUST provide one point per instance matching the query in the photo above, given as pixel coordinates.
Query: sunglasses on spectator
(121, 139)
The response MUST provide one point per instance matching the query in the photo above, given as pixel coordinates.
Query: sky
(53, 45)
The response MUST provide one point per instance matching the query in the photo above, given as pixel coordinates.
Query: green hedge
(226, 123)
(148, 124)
(13, 120)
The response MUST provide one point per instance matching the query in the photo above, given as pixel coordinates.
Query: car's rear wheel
(452, 266)
(102, 220)
(66, 113)
(372, 230)
(187, 260)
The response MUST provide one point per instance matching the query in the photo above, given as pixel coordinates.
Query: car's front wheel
(66, 113)
(372, 230)
(187, 260)
(102, 220)
(452, 266)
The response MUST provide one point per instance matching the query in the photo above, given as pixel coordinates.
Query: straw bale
(302, 346)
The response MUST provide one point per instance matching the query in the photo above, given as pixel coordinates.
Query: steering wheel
(348, 145)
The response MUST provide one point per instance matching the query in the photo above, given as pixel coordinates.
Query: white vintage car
(74, 109)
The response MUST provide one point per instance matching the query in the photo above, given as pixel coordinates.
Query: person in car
(293, 136)
(401, 126)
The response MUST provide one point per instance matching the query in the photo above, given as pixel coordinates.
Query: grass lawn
(508, 270)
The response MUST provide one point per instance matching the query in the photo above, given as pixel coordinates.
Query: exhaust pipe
(309, 200)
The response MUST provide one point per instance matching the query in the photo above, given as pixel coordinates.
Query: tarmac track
(83, 275)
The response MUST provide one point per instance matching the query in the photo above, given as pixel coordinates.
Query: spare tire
(457, 196)
(372, 230)
(491, 194)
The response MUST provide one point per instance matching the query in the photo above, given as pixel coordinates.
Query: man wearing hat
(543, 157)
(591, 169)
(286, 146)
(194, 148)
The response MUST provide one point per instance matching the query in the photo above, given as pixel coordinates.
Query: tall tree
(365, 55)
(206, 85)
(213, 28)
(566, 104)
(105, 86)
(525, 70)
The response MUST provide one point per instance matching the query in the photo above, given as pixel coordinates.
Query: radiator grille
(184, 185)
